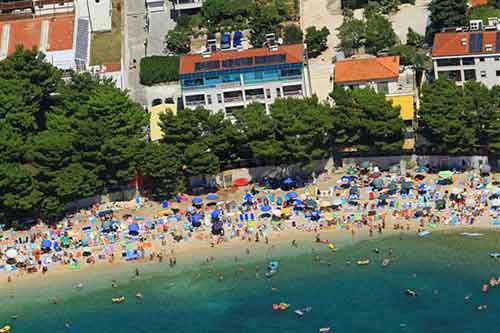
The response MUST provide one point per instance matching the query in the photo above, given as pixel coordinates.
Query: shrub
(156, 69)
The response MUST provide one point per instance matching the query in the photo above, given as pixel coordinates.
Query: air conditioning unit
(475, 25)
(463, 41)
(488, 47)
(493, 21)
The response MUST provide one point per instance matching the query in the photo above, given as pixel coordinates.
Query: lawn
(106, 47)
(483, 12)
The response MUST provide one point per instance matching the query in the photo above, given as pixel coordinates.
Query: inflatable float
(281, 306)
(363, 262)
(5, 329)
(117, 300)
(411, 292)
(332, 247)
(424, 233)
(495, 255)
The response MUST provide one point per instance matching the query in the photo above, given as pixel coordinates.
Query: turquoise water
(442, 268)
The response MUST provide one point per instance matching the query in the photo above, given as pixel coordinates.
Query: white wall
(99, 13)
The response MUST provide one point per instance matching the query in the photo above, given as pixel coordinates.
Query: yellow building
(154, 119)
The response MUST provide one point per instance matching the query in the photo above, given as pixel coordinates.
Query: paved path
(160, 23)
(417, 17)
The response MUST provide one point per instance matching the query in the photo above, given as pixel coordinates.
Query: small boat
(471, 234)
(303, 311)
(386, 262)
(363, 262)
(495, 255)
(424, 233)
(117, 300)
(138, 295)
(324, 330)
(281, 306)
(411, 292)
(332, 247)
(482, 307)
(5, 329)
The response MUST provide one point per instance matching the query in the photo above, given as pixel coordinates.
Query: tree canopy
(447, 14)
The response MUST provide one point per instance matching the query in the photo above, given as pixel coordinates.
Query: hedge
(156, 69)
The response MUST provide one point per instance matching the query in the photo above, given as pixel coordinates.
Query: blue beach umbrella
(299, 203)
(265, 208)
(291, 196)
(288, 181)
(164, 204)
(247, 197)
(134, 228)
(46, 244)
(197, 201)
(215, 214)
(212, 197)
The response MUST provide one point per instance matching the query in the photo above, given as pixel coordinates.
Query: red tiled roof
(457, 43)
(294, 54)
(475, 3)
(367, 69)
(27, 32)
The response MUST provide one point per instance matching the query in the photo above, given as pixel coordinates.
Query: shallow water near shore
(443, 268)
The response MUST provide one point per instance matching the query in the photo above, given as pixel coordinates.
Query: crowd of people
(348, 201)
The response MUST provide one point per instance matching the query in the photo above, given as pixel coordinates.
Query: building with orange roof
(63, 38)
(231, 79)
(468, 55)
(476, 3)
(384, 75)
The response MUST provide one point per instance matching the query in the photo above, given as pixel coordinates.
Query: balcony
(292, 91)
(233, 97)
(254, 95)
(187, 4)
(195, 100)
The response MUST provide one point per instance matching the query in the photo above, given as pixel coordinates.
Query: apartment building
(19, 8)
(229, 80)
(468, 55)
(384, 75)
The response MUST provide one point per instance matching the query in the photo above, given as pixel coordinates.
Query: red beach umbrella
(240, 182)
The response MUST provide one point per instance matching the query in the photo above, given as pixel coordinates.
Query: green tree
(265, 19)
(351, 34)
(163, 169)
(178, 41)
(413, 38)
(379, 34)
(448, 13)
(316, 40)
(445, 121)
(293, 35)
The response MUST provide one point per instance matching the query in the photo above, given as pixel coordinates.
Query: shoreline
(192, 257)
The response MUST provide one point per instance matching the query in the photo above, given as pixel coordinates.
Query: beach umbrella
(422, 187)
(406, 185)
(133, 228)
(354, 190)
(247, 197)
(337, 202)
(440, 204)
(291, 196)
(382, 196)
(365, 164)
(351, 171)
(392, 187)
(347, 179)
(212, 197)
(485, 169)
(445, 174)
(46, 244)
(164, 204)
(11, 253)
(241, 182)
(495, 203)
(197, 201)
(310, 203)
(422, 169)
(420, 177)
(265, 208)
(215, 214)
(378, 183)
(298, 203)
(288, 181)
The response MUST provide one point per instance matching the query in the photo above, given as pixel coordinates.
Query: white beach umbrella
(11, 253)
(456, 190)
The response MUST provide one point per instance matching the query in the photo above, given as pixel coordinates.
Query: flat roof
(28, 32)
(293, 54)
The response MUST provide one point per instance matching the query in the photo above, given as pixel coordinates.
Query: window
(451, 75)
(497, 58)
(219, 98)
(469, 74)
(268, 93)
(259, 75)
(209, 99)
(498, 73)
(291, 72)
(483, 73)
(481, 59)
(192, 83)
(468, 61)
(448, 62)
(278, 92)
(383, 87)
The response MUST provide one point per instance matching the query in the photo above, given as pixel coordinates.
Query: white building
(187, 5)
(468, 55)
(98, 12)
(229, 80)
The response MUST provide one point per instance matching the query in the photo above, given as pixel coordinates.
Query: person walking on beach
(137, 273)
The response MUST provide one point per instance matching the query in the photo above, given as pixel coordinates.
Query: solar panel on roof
(498, 41)
(207, 65)
(82, 41)
(269, 59)
(476, 42)
(238, 62)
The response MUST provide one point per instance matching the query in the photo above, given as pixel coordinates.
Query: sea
(445, 269)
